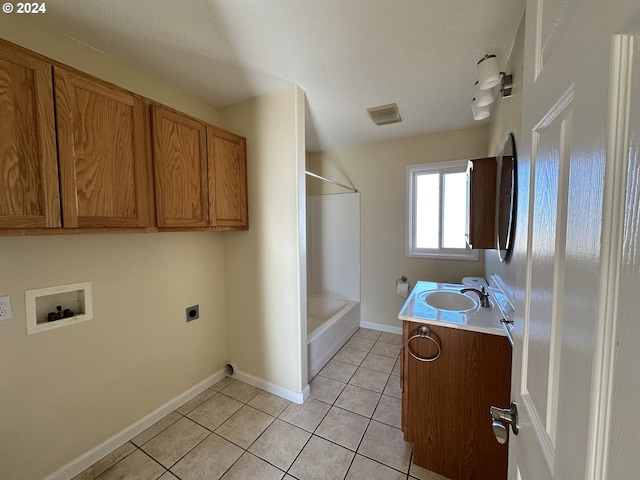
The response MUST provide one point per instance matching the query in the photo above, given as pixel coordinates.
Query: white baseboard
(381, 327)
(291, 395)
(87, 459)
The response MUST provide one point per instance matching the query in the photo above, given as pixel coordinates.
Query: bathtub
(330, 323)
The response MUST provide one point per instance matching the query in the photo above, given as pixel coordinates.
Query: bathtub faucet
(484, 296)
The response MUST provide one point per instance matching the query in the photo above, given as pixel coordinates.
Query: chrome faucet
(484, 296)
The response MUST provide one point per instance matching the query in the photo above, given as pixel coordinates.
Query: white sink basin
(448, 300)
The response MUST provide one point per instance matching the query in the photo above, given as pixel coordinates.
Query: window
(437, 211)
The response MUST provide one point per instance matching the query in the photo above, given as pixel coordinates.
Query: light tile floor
(348, 429)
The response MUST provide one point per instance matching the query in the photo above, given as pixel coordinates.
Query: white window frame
(413, 171)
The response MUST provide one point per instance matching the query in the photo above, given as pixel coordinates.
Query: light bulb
(483, 97)
(488, 72)
(479, 113)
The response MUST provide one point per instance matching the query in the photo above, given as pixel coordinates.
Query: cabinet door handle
(424, 332)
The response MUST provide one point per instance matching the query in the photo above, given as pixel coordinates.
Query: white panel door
(621, 458)
(570, 216)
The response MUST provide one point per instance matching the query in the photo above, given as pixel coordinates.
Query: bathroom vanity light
(483, 98)
(489, 75)
(488, 72)
(479, 112)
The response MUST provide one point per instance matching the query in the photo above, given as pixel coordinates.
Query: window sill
(440, 255)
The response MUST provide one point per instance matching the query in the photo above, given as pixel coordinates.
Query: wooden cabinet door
(102, 153)
(227, 163)
(482, 204)
(29, 192)
(403, 389)
(180, 169)
(448, 402)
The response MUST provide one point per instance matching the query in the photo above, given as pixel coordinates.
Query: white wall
(265, 266)
(333, 245)
(378, 171)
(137, 353)
(506, 117)
(65, 391)
(32, 32)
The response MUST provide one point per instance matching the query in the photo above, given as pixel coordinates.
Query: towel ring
(424, 332)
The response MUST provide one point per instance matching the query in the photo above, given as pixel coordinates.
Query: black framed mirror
(507, 195)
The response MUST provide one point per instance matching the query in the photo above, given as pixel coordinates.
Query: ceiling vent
(385, 114)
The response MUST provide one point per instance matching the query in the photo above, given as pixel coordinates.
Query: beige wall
(378, 171)
(506, 117)
(101, 376)
(265, 267)
(32, 32)
(65, 391)
(69, 389)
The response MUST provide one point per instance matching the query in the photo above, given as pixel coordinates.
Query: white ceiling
(347, 55)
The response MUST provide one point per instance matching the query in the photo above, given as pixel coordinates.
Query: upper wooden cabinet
(29, 192)
(102, 153)
(180, 169)
(227, 154)
(75, 153)
(481, 227)
(200, 173)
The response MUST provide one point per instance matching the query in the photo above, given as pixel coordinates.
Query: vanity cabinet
(445, 402)
(200, 173)
(481, 210)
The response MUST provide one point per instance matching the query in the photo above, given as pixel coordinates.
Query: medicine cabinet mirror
(506, 204)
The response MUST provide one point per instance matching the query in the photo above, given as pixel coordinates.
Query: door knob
(508, 415)
(500, 432)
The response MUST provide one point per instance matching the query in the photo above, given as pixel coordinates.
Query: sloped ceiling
(348, 55)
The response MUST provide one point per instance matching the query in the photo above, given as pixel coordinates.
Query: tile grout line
(369, 419)
(355, 452)
(331, 405)
(244, 450)
(312, 433)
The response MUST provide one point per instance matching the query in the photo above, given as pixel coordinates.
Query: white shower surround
(333, 255)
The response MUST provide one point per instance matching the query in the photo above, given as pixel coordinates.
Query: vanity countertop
(478, 319)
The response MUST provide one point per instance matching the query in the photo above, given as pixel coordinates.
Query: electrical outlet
(5, 308)
(193, 313)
